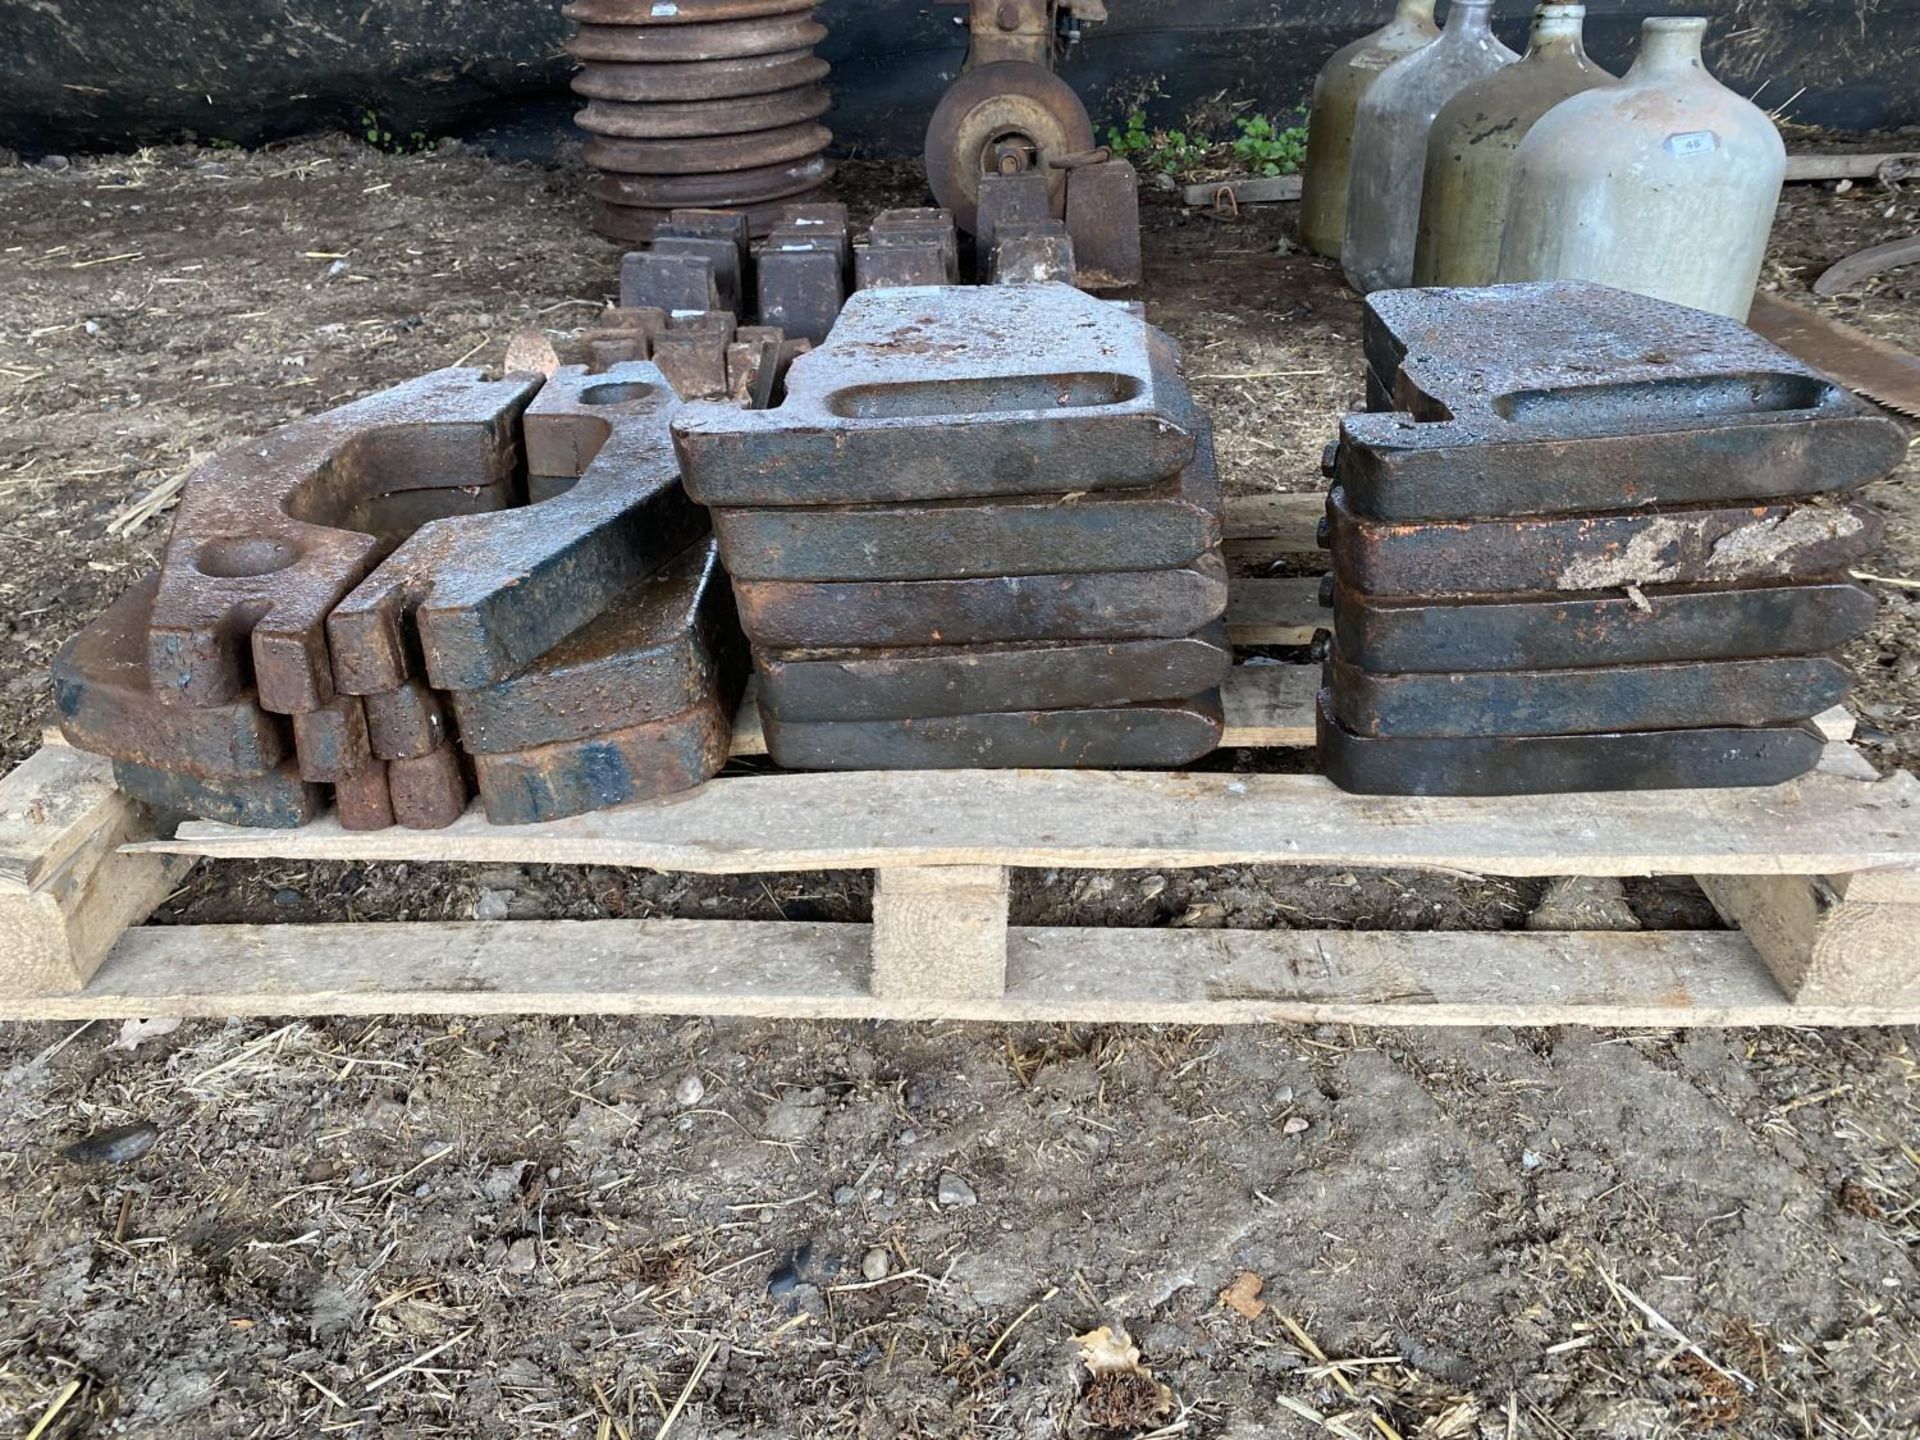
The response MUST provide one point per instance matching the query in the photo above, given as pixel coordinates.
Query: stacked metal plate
(363, 604)
(1584, 540)
(710, 103)
(982, 529)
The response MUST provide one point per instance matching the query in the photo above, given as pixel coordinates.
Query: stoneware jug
(1389, 157)
(1463, 202)
(1336, 95)
(1663, 183)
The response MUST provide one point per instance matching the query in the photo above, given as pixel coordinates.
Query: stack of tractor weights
(342, 598)
(1584, 540)
(982, 529)
(682, 300)
(699, 102)
(684, 297)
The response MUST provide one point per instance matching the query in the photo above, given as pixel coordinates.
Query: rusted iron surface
(1563, 397)
(1035, 252)
(1103, 217)
(278, 800)
(1598, 552)
(332, 744)
(428, 792)
(914, 227)
(1161, 526)
(639, 762)
(1022, 198)
(1600, 699)
(690, 119)
(405, 722)
(691, 354)
(1545, 632)
(669, 280)
(549, 605)
(793, 615)
(479, 600)
(704, 80)
(1554, 764)
(800, 277)
(962, 391)
(757, 362)
(107, 705)
(712, 104)
(1001, 117)
(269, 536)
(648, 43)
(708, 156)
(361, 801)
(743, 189)
(680, 12)
(1143, 736)
(671, 642)
(636, 222)
(1878, 369)
(727, 259)
(920, 263)
(940, 680)
(628, 321)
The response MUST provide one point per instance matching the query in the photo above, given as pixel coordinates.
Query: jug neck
(1413, 12)
(1669, 45)
(1469, 20)
(1556, 31)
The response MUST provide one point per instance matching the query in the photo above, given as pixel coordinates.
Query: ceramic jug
(1663, 183)
(1469, 173)
(1389, 157)
(1336, 95)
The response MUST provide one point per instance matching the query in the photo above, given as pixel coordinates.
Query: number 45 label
(1693, 142)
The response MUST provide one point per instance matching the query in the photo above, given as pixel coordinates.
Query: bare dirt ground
(604, 1228)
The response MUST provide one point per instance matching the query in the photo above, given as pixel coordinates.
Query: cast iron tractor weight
(1010, 119)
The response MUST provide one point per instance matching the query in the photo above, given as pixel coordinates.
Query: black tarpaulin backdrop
(104, 74)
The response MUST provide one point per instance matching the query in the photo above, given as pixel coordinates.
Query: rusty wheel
(723, 40)
(1005, 108)
(703, 118)
(701, 79)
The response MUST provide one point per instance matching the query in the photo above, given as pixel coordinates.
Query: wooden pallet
(1821, 877)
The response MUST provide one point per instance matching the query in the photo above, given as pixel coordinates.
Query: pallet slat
(1821, 824)
(792, 970)
(1283, 611)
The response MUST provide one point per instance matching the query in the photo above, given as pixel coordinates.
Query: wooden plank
(940, 931)
(1820, 824)
(1862, 165)
(1245, 190)
(1266, 705)
(1269, 706)
(1268, 527)
(1285, 611)
(67, 890)
(794, 971)
(1823, 946)
(49, 805)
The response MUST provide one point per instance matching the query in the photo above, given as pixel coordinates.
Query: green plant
(1260, 148)
(1168, 150)
(381, 138)
(1267, 151)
